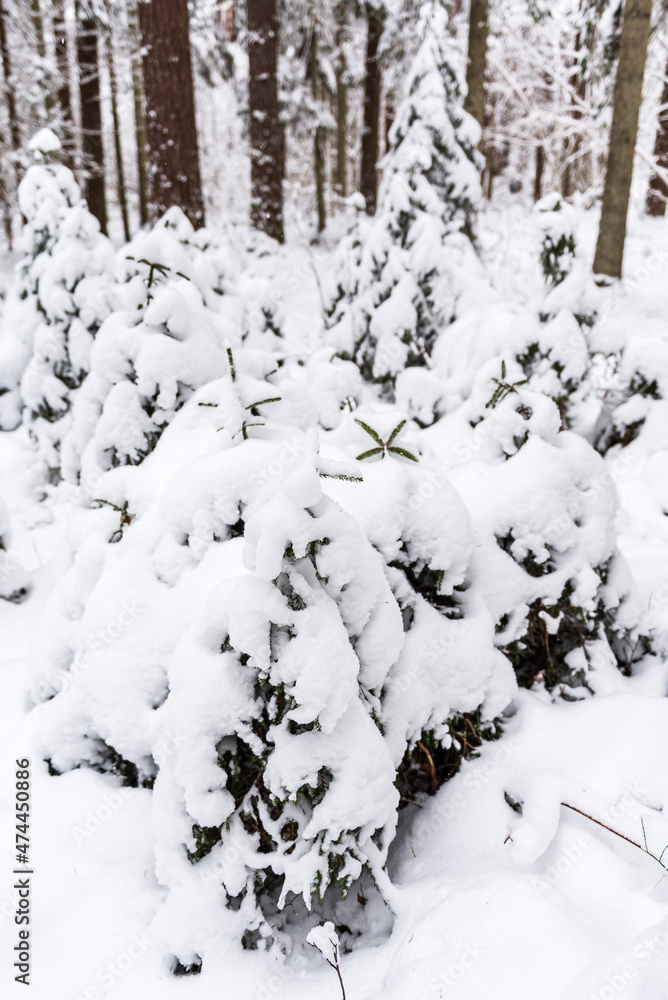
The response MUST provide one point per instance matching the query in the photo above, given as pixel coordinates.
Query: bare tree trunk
(91, 116)
(40, 45)
(10, 95)
(63, 92)
(372, 81)
(578, 93)
(390, 112)
(341, 175)
(139, 110)
(658, 188)
(266, 130)
(477, 60)
(319, 137)
(623, 132)
(118, 151)
(38, 28)
(171, 124)
(538, 174)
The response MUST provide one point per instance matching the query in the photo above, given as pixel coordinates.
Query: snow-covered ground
(497, 888)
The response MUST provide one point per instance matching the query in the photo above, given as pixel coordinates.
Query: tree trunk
(63, 92)
(40, 45)
(10, 95)
(139, 110)
(658, 188)
(118, 151)
(266, 130)
(623, 132)
(477, 60)
(319, 137)
(390, 112)
(372, 80)
(91, 116)
(538, 174)
(341, 175)
(171, 125)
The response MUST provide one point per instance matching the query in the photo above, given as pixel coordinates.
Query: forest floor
(487, 901)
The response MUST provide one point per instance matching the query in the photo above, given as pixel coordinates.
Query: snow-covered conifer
(398, 280)
(57, 300)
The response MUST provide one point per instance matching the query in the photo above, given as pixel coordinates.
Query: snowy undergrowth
(292, 604)
(552, 883)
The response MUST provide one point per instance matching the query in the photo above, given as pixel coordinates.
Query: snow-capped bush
(398, 278)
(283, 659)
(14, 585)
(181, 303)
(551, 534)
(556, 221)
(59, 297)
(250, 614)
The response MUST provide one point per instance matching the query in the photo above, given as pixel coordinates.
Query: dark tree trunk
(266, 130)
(10, 96)
(477, 60)
(91, 116)
(319, 137)
(341, 175)
(372, 81)
(63, 91)
(171, 125)
(140, 112)
(538, 174)
(658, 188)
(390, 112)
(623, 132)
(118, 151)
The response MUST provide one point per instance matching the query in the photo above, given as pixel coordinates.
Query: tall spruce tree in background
(267, 139)
(375, 16)
(91, 113)
(395, 290)
(658, 187)
(623, 132)
(171, 126)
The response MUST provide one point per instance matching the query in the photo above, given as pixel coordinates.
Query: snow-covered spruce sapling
(303, 642)
(397, 280)
(571, 614)
(160, 344)
(241, 399)
(59, 297)
(556, 221)
(325, 940)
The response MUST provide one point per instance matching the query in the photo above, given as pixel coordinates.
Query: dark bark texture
(63, 92)
(267, 139)
(372, 85)
(171, 125)
(91, 117)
